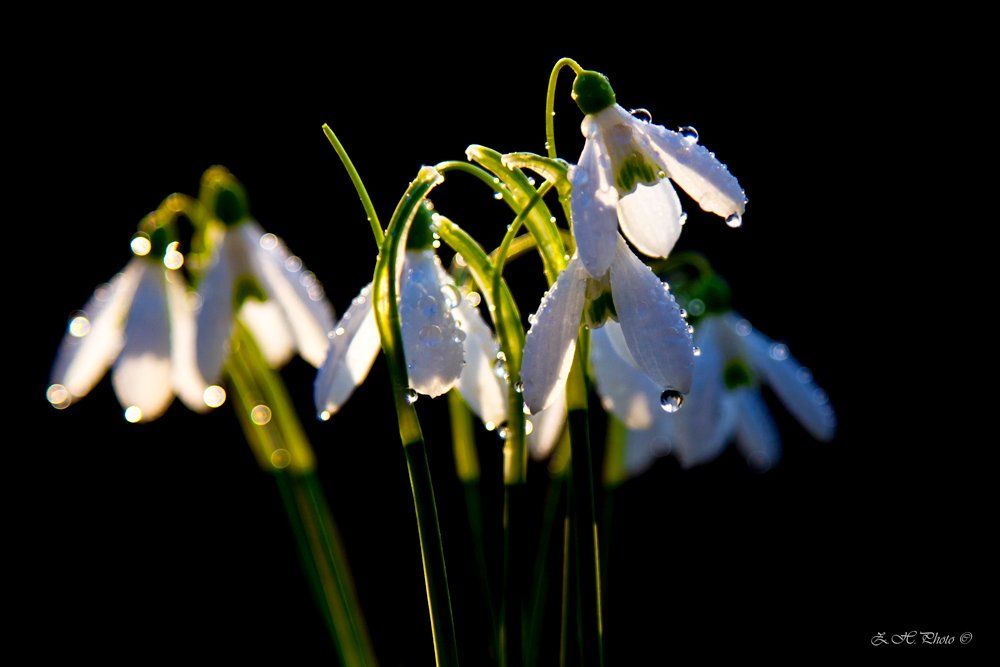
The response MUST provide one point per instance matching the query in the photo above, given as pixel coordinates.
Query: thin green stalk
(550, 102)
(359, 185)
(384, 291)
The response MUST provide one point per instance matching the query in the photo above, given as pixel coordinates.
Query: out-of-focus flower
(142, 323)
(622, 176)
(725, 402)
(252, 274)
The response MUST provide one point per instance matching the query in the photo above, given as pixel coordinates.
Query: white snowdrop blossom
(141, 325)
(624, 176)
(655, 334)
(253, 276)
(725, 402)
(446, 342)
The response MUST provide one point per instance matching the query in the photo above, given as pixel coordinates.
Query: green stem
(359, 185)
(554, 498)
(550, 102)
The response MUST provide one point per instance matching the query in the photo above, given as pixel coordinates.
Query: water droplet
(79, 325)
(501, 356)
(489, 426)
(684, 313)
(293, 264)
(743, 328)
(473, 299)
(547, 145)
(529, 428)
(428, 305)
(696, 351)
(133, 414)
(532, 319)
(500, 370)
(671, 400)
(642, 114)
(411, 396)
(819, 397)
(280, 458)
(430, 335)
(779, 352)
(503, 432)
(435, 244)
(260, 414)
(459, 336)
(531, 181)
(734, 220)
(214, 396)
(325, 416)
(689, 135)
(460, 261)
(452, 297)
(339, 331)
(519, 387)
(269, 241)
(525, 409)
(684, 218)
(58, 396)
(690, 328)
(498, 195)
(140, 244)
(172, 258)
(804, 375)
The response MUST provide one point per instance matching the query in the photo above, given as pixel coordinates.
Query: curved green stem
(359, 185)
(550, 102)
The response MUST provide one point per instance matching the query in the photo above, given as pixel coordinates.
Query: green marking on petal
(247, 287)
(231, 205)
(737, 374)
(592, 92)
(635, 169)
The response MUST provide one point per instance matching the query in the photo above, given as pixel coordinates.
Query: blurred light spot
(58, 396)
(490, 426)
(743, 328)
(140, 244)
(473, 299)
(79, 325)
(133, 414)
(172, 258)
(325, 416)
(280, 458)
(528, 427)
(214, 396)
(779, 352)
(260, 415)
(293, 264)
(696, 307)
(269, 241)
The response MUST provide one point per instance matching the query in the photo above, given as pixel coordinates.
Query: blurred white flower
(725, 402)
(142, 323)
(282, 304)
(622, 177)
(655, 335)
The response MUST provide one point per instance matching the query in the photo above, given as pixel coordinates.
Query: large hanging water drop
(689, 135)
(671, 400)
(411, 396)
(734, 220)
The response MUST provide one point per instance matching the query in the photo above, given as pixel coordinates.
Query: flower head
(624, 176)
(142, 323)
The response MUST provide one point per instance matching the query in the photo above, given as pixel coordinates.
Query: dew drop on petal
(489, 426)
(498, 195)
(525, 409)
(642, 114)
(779, 352)
(140, 244)
(528, 427)
(473, 299)
(214, 396)
(503, 432)
(58, 396)
(79, 325)
(428, 305)
(689, 135)
(734, 220)
(804, 375)
(452, 297)
(430, 335)
(325, 416)
(260, 414)
(411, 396)
(671, 400)
(280, 458)
(268, 241)
(519, 387)
(683, 219)
(293, 264)
(743, 328)
(133, 414)
(696, 351)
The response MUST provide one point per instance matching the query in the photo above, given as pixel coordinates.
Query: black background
(165, 539)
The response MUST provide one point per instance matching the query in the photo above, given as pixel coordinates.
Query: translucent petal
(266, 321)
(142, 375)
(187, 381)
(547, 427)
(214, 319)
(756, 433)
(593, 203)
(625, 391)
(83, 359)
(431, 340)
(642, 448)
(651, 218)
(551, 340)
(296, 290)
(354, 344)
(651, 322)
(483, 390)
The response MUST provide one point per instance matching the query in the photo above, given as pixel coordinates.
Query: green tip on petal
(421, 234)
(592, 92)
(231, 205)
(737, 374)
(247, 287)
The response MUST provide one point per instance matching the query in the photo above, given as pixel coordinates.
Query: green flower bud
(592, 92)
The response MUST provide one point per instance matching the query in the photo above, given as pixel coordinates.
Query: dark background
(166, 540)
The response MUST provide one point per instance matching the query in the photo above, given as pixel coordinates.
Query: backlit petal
(483, 390)
(651, 218)
(354, 344)
(188, 383)
(756, 433)
(625, 391)
(594, 203)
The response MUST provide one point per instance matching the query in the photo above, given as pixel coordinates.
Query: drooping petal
(790, 380)
(296, 290)
(214, 319)
(483, 390)
(142, 375)
(651, 218)
(651, 322)
(547, 427)
(691, 166)
(266, 321)
(353, 347)
(625, 391)
(593, 203)
(551, 340)
(188, 383)
(756, 433)
(95, 336)
(432, 342)
(643, 447)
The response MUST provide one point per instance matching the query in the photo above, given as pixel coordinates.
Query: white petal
(296, 290)
(214, 319)
(353, 347)
(187, 381)
(691, 166)
(756, 434)
(266, 321)
(431, 340)
(83, 359)
(625, 391)
(593, 203)
(547, 427)
(483, 390)
(790, 381)
(551, 340)
(142, 375)
(656, 334)
(651, 218)
(642, 448)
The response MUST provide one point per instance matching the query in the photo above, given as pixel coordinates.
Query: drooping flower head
(253, 275)
(141, 324)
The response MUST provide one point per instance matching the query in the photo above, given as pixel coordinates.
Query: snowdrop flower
(655, 335)
(725, 402)
(446, 342)
(141, 322)
(624, 175)
(252, 275)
